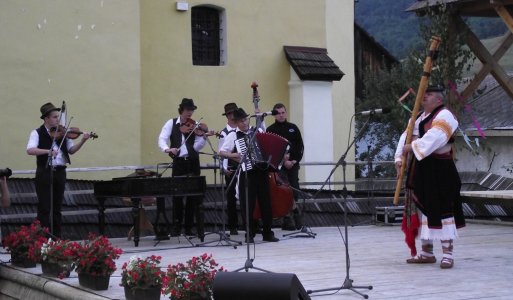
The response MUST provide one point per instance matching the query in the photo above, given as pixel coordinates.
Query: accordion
(268, 150)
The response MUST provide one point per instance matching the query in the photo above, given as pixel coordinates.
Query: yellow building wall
(256, 34)
(123, 66)
(83, 52)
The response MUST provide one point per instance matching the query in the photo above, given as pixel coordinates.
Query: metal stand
(249, 261)
(224, 239)
(348, 282)
(305, 230)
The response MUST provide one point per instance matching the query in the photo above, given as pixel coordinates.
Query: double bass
(282, 196)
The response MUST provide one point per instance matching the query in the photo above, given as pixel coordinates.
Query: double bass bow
(424, 80)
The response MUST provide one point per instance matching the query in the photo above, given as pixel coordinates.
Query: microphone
(265, 114)
(372, 112)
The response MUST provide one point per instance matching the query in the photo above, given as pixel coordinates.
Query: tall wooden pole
(424, 80)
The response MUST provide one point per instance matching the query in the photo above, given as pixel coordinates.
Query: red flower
(195, 278)
(96, 256)
(27, 241)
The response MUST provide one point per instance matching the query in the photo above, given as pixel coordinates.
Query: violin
(71, 133)
(202, 129)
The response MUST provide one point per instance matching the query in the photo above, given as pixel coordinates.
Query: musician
(229, 166)
(42, 145)
(433, 178)
(183, 148)
(290, 131)
(4, 192)
(257, 178)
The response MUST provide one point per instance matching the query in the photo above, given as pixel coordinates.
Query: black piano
(136, 188)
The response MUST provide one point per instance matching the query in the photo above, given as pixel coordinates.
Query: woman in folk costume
(433, 183)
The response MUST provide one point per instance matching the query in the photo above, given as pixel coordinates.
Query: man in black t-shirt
(290, 167)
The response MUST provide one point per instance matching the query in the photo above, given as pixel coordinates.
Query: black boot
(298, 218)
(269, 237)
(288, 223)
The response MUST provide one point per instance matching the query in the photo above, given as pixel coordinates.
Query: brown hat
(239, 114)
(48, 108)
(188, 103)
(229, 107)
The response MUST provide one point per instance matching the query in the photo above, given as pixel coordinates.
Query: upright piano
(137, 188)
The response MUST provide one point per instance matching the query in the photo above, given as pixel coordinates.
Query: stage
(483, 264)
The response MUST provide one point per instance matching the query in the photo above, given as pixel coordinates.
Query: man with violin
(52, 150)
(185, 139)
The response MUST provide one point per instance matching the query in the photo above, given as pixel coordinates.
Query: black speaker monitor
(258, 286)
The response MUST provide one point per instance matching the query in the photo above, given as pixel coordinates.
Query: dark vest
(45, 142)
(176, 140)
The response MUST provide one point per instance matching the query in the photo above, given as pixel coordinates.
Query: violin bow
(428, 65)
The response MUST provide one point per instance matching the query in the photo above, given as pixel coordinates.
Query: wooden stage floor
(483, 262)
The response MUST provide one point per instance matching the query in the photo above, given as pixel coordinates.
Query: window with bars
(205, 28)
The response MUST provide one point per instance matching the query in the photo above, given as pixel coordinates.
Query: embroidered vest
(427, 123)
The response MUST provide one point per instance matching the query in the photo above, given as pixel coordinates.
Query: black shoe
(249, 240)
(189, 232)
(288, 224)
(298, 219)
(176, 231)
(269, 237)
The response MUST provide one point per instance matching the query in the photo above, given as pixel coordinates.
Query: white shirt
(435, 140)
(223, 135)
(59, 160)
(165, 134)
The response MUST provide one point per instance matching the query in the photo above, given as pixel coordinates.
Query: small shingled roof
(311, 63)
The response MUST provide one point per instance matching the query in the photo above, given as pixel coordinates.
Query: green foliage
(384, 88)
(399, 32)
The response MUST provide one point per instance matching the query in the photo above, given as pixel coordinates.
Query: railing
(213, 167)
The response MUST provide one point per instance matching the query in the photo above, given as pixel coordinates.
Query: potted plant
(192, 280)
(25, 244)
(95, 262)
(58, 257)
(142, 278)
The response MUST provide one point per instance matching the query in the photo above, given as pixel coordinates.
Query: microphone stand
(348, 282)
(305, 230)
(223, 237)
(244, 160)
(49, 165)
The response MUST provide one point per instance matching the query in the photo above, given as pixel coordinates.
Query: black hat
(229, 107)
(440, 88)
(187, 103)
(239, 114)
(48, 108)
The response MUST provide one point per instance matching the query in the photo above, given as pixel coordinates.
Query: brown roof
(311, 63)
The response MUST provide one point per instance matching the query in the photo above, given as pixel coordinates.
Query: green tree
(384, 88)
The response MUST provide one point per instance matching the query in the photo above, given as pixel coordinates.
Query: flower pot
(21, 260)
(54, 269)
(140, 293)
(94, 282)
